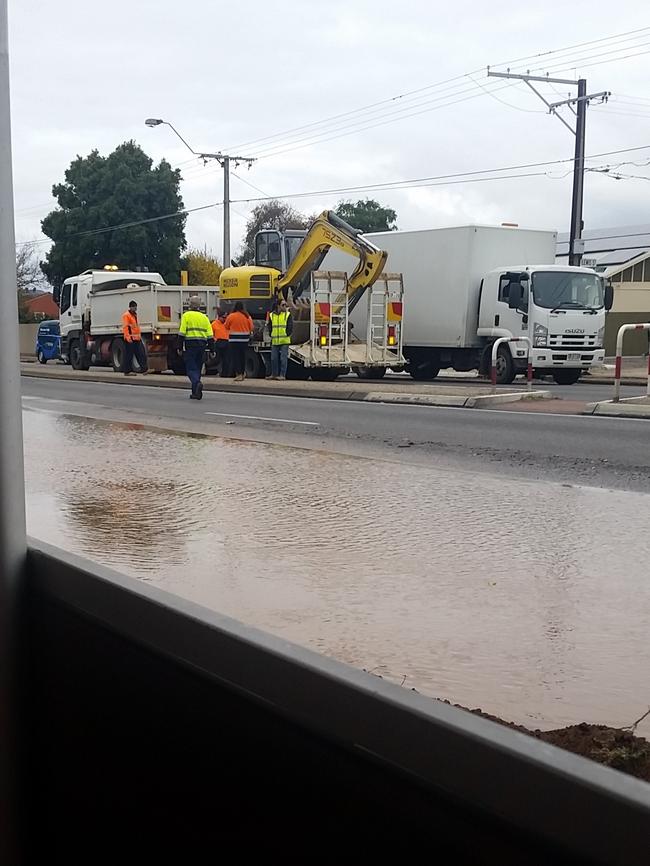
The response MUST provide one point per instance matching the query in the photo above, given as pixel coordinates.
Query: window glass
(65, 298)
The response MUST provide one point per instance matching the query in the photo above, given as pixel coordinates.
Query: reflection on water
(530, 600)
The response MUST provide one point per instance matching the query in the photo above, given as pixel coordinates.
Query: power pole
(581, 101)
(224, 161)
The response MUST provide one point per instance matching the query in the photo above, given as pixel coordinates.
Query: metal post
(226, 211)
(12, 484)
(641, 326)
(575, 255)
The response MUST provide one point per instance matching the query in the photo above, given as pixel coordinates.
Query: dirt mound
(618, 748)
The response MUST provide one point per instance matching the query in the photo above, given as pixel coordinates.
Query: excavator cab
(276, 249)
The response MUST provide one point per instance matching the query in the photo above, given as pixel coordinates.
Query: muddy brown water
(530, 600)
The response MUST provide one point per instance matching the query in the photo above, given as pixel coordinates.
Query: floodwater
(530, 600)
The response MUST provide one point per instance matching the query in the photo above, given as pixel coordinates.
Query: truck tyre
(117, 355)
(326, 374)
(296, 371)
(254, 365)
(77, 358)
(566, 377)
(41, 357)
(506, 370)
(370, 372)
(423, 372)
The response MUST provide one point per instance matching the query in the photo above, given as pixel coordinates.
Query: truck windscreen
(554, 289)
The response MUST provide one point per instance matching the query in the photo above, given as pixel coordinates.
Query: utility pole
(224, 161)
(12, 483)
(581, 101)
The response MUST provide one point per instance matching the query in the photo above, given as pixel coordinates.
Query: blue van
(48, 341)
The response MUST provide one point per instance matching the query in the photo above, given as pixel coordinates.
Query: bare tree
(29, 278)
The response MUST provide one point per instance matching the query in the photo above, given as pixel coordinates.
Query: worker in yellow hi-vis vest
(280, 325)
(194, 337)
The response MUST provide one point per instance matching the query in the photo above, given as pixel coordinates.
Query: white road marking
(261, 418)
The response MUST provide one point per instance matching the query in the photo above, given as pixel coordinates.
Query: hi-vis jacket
(130, 327)
(195, 326)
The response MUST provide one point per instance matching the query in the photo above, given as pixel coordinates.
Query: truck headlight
(600, 337)
(540, 336)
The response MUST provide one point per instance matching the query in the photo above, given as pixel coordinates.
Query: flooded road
(528, 599)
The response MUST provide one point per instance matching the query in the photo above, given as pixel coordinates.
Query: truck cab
(559, 309)
(74, 304)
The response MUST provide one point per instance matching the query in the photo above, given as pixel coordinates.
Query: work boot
(199, 392)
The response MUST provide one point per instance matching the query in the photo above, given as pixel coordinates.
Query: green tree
(367, 215)
(272, 214)
(99, 192)
(202, 268)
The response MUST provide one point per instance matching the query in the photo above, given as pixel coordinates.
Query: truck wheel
(117, 355)
(254, 365)
(77, 358)
(370, 372)
(41, 357)
(296, 371)
(326, 374)
(423, 372)
(566, 377)
(506, 371)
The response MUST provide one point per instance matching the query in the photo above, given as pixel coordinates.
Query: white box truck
(90, 316)
(469, 285)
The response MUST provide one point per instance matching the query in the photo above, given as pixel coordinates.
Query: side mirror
(609, 296)
(56, 294)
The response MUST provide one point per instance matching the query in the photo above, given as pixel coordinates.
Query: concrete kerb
(631, 407)
(293, 389)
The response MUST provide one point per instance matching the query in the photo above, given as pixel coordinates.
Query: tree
(367, 215)
(121, 188)
(269, 215)
(29, 278)
(203, 269)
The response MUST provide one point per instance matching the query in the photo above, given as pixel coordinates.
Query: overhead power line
(438, 180)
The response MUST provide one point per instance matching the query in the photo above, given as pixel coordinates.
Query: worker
(133, 345)
(240, 327)
(280, 325)
(194, 337)
(220, 334)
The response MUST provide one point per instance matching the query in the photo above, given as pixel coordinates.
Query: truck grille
(572, 341)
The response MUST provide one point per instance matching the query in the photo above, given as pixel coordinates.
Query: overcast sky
(86, 74)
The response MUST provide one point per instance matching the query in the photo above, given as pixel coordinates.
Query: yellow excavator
(286, 263)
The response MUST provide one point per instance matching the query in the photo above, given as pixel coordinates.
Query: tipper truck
(90, 315)
(468, 286)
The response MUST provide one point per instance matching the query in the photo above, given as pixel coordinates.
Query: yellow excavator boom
(329, 230)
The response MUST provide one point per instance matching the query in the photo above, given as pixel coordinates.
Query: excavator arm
(329, 230)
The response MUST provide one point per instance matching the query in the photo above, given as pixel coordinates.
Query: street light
(224, 161)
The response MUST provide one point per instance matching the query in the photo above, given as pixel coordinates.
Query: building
(41, 305)
(623, 256)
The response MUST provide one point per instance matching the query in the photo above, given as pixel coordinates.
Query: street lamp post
(224, 161)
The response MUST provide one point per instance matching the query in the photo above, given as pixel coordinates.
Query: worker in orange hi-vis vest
(133, 345)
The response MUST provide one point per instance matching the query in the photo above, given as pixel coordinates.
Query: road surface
(585, 450)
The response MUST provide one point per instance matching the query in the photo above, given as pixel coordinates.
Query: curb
(394, 397)
(608, 409)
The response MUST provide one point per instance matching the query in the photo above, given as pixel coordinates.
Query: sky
(338, 95)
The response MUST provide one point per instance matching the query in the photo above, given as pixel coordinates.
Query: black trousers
(223, 358)
(237, 352)
(135, 348)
